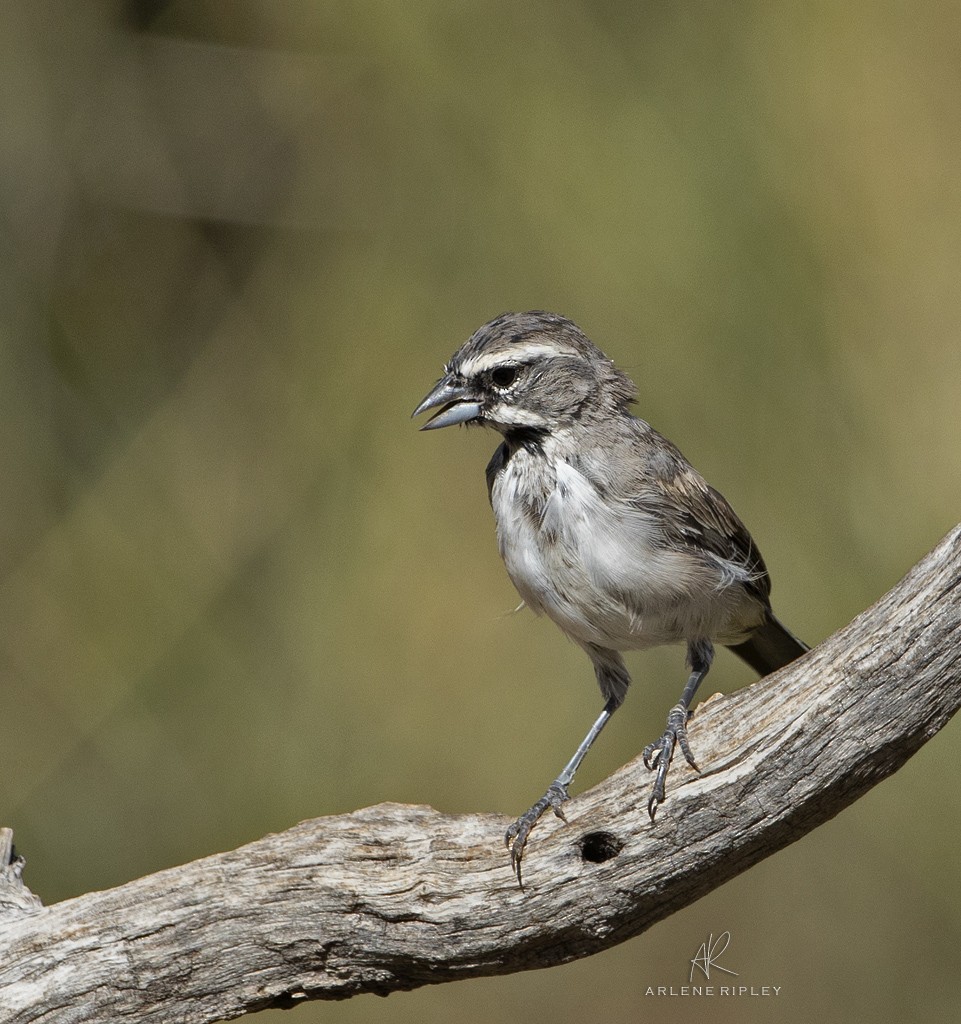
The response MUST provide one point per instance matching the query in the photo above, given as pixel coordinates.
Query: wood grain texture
(396, 896)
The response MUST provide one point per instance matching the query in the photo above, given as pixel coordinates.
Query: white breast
(596, 567)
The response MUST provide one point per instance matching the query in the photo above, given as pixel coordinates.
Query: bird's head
(527, 373)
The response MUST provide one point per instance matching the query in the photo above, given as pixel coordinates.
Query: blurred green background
(238, 589)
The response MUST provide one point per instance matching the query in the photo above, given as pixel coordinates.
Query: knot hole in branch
(598, 847)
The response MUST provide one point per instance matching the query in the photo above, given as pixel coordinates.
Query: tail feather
(770, 647)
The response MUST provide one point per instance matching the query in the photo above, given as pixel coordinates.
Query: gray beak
(460, 405)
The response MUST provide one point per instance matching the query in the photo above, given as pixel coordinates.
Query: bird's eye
(504, 376)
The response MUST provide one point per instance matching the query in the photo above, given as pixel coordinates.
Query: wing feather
(693, 517)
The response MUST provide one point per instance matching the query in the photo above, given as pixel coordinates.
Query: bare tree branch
(15, 897)
(396, 896)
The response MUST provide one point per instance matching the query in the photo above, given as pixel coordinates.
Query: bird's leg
(657, 755)
(556, 792)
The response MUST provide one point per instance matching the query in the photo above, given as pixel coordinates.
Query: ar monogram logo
(708, 954)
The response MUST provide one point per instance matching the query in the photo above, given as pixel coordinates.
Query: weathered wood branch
(395, 896)
(15, 897)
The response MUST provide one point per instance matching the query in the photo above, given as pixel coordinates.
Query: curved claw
(657, 755)
(516, 836)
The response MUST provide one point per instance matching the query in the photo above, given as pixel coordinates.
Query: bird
(604, 526)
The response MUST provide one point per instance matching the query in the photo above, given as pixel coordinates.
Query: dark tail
(771, 647)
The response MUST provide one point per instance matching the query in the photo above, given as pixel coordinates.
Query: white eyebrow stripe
(514, 354)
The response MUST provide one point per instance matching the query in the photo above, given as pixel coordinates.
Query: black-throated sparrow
(604, 525)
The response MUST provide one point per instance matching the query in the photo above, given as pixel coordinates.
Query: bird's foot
(516, 837)
(657, 755)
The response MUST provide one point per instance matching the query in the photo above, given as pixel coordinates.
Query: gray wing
(692, 515)
(708, 523)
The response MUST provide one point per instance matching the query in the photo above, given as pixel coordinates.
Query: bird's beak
(460, 405)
